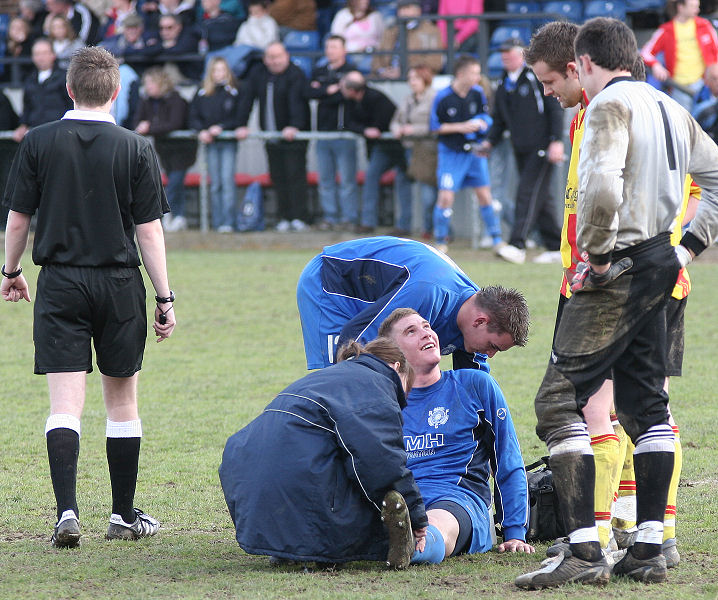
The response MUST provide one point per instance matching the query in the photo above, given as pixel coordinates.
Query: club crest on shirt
(438, 416)
(451, 111)
(501, 413)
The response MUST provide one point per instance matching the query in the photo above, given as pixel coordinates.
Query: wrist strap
(163, 300)
(11, 275)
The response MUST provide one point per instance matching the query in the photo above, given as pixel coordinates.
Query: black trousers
(288, 170)
(618, 329)
(534, 204)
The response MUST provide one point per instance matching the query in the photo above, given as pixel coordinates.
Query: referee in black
(94, 186)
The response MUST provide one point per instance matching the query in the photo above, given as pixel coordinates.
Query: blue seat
(504, 32)
(615, 9)
(305, 63)
(522, 7)
(301, 40)
(494, 66)
(572, 10)
(388, 12)
(641, 5)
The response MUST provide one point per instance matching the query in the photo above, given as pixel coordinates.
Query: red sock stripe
(675, 429)
(615, 496)
(598, 439)
(627, 486)
(671, 510)
(614, 419)
(603, 516)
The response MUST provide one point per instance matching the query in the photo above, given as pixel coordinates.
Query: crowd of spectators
(164, 43)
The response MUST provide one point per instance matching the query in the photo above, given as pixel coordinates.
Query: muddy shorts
(620, 329)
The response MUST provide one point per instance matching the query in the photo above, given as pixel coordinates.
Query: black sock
(653, 477)
(574, 477)
(122, 458)
(63, 448)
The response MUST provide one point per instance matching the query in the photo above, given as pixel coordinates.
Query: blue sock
(434, 550)
(442, 221)
(493, 224)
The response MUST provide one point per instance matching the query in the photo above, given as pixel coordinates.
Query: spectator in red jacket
(688, 43)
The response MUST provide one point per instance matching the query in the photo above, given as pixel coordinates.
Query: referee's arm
(150, 239)
(16, 233)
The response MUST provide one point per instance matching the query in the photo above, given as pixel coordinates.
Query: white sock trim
(587, 534)
(650, 532)
(124, 429)
(62, 421)
(67, 515)
(658, 438)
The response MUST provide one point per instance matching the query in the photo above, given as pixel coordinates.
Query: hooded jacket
(305, 479)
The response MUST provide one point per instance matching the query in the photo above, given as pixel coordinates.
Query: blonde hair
(161, 77)
(208, 84)
(70, 32)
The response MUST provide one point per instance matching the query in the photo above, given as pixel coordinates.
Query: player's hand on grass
(15, 289)
(516, 546)
(588, 278)
(164, 312)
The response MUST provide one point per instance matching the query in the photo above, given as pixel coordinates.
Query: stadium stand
(571, 10)
(604, 8)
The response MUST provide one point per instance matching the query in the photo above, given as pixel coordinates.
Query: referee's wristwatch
(11, 275)
(165, 299)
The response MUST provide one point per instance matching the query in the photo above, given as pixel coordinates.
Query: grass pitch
(237, 344)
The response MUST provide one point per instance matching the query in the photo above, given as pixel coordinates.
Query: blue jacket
(305, 479)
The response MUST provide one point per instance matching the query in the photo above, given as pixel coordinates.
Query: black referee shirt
(90, 182)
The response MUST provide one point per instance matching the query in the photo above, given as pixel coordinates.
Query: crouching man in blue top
(457, 433)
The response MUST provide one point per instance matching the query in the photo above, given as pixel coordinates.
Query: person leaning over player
(90, 288)
(551, 57)
(637, 147)
(457, 433)
(305, 480)
(345, 293)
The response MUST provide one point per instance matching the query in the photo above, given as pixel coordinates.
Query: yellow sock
(624, 516)
(669, 520)
(622, 444)
(608, 463)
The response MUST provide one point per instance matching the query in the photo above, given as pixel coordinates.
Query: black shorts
(79, 305)
(675, 330)
(463, 540)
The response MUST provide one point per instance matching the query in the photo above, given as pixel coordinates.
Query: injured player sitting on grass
(446, 414)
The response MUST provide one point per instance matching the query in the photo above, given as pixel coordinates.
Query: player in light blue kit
(460, 117)
(346, 292)
(457, 432)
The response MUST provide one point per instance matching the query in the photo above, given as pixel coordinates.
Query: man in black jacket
(370, 114)
(536, 126)
(83, 20)
(45, 98)
(338, 155)
(279, 87)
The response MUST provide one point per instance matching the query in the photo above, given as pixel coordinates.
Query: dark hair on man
(93, 76)
(339, 38)
(353, 80)
(638, 71)
(385, 329)
(609, 43)
(383, 348)
(465, 60)
(507, 310)
(263, 3)
(553, 44)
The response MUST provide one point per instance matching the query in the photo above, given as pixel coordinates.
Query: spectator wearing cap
(134, 44)
(421, 34)
(535, 123)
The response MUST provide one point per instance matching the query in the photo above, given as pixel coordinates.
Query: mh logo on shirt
(438, 416)
(414, 443)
